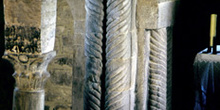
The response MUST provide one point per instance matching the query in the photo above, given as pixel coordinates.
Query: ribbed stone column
(93, 53)
(158, 70)
(29, 43)
(154, 76)
(121, 54)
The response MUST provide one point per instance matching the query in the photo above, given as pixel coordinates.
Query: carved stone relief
(22, 39)
(29, 43)
(120, 53)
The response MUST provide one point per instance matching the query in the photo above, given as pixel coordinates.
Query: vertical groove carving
(158, 70)
(93, 52)
(118, 52)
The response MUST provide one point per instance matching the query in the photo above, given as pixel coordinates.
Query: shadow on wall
(6, 71)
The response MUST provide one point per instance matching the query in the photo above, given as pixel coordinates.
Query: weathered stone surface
(22, 13)
(152, 14)
(22, 26)
(22, 16)
(29, 41)
(58, 88)
(30, 76)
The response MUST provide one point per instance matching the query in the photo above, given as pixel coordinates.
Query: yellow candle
(213, 28)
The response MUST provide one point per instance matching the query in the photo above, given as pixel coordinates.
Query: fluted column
(120, 51)
(93, 53)
(29, 43)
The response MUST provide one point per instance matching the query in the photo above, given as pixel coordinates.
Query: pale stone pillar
(154, 81)
(29, 43)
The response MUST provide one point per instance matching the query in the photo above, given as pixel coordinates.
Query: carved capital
(30, 70)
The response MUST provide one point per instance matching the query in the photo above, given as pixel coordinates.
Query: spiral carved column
(119, 50)
(93, 52)
(158, 70)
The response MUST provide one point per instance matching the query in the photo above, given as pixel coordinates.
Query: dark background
(6, 71)
(191, 35)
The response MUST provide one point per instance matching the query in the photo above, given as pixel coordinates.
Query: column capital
(30, 70)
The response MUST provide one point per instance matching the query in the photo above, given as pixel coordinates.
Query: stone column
(93, 53)
(29, 43)
(121, 53)
(154, 84)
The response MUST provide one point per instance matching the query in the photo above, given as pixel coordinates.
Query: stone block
(153, 14)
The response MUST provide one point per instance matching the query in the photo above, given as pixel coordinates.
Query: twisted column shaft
(118, 53)
(93, 52)
(158, 70)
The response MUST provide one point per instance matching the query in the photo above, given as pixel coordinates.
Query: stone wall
(59, 85)
(79, 15)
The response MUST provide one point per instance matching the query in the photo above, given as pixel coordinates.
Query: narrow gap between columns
(104, 55)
